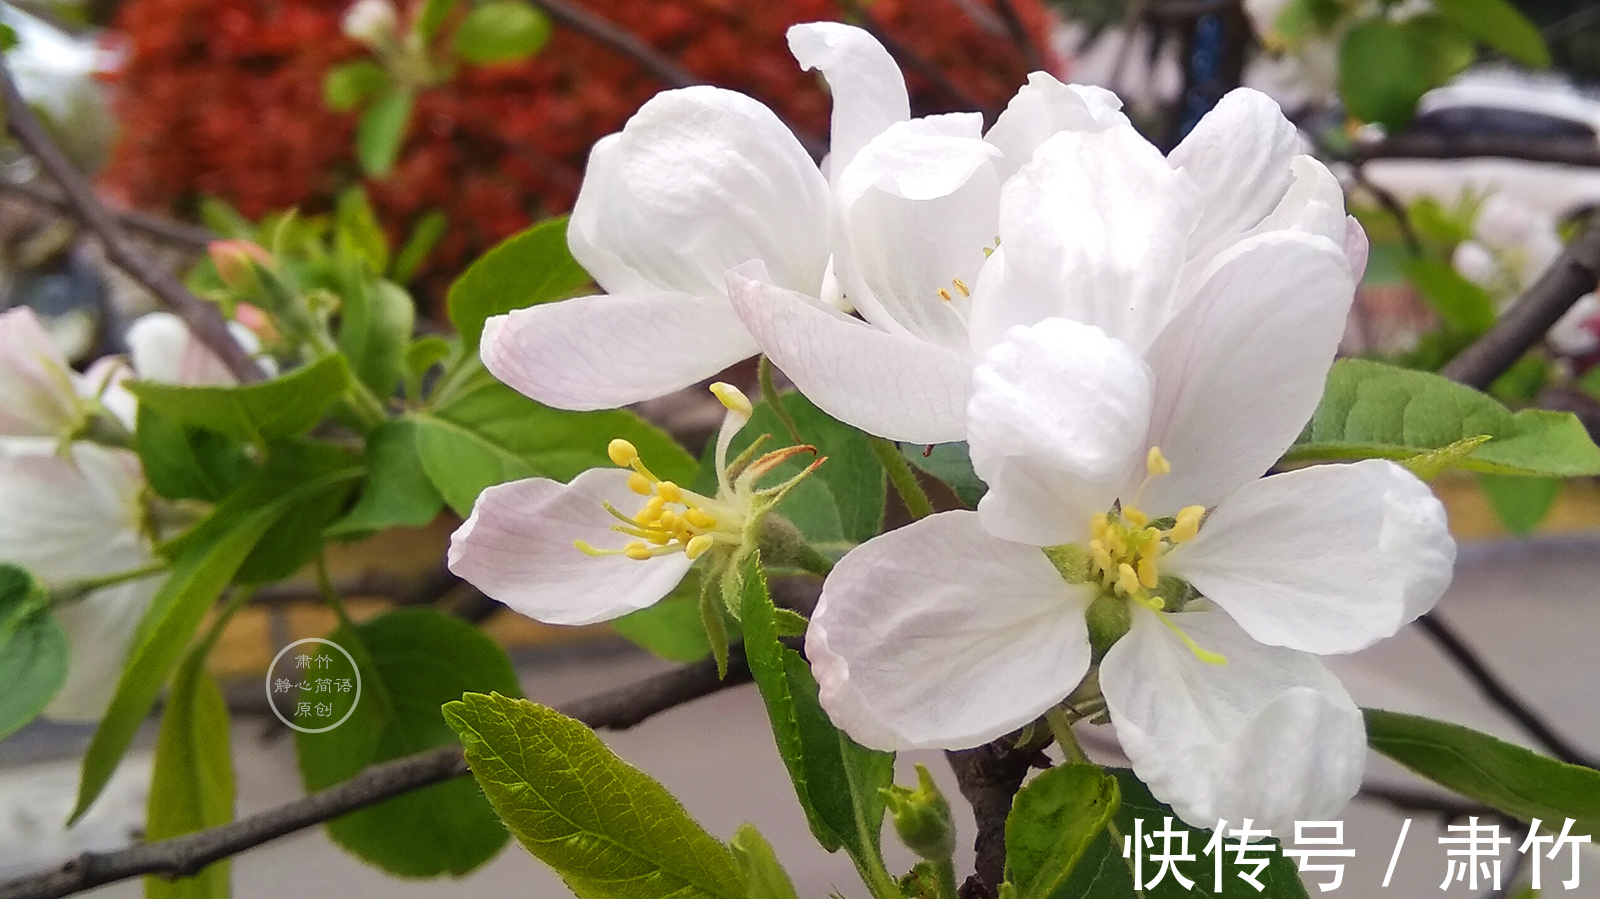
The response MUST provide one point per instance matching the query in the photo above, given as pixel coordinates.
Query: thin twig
(192, 238)
(184, 856)
(989, 777)
(1392, 205)
(1032, 53)
(204, 319)
(1425, 801)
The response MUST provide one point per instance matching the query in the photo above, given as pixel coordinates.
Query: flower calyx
(922, 817)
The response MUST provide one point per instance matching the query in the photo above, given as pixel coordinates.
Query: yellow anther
(700, 519)
(961, 287)
(732, 398)
(1097, 525)
(1147, 574)
(639, 484)
(668, 520)
(622, 452)
(1127, 579)
(668, 491)
(697, 546)
(659, 538)
(637, 551)
(1135, 517)
(1101, 556)
(988, 251)
(1155, 463)
(1188, 524)
(652, 510)
(945, 295)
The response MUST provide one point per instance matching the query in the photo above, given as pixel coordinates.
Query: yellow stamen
(700, 519)
(652, 510)
(961, 287)
(1127, 579)
(1147, 574)
(1097, 525)
(945, 295)
(1101, 556)
(732, 398)
(1200, 652)
(639, 484)
(1187, 525)
(1135, 517)
(584, 547)
(668, 491)
(1155, 463)
(622, 452)
(697, 546)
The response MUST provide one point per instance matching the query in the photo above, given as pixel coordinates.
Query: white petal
(106, 380)
(100, 628)
(163, 349)
(517, 547)
(1238, 155)
(1314, 203)
(938, 635)
(1326, 559)
(601, 352)
(891, 385)
(74, 516)
(869, 93)
(1043, 107)
(37, 393)
(1242, 366)
(1093, 229)
(1356, 247)
(1271, 735)
(1057, 417)
(700, 180)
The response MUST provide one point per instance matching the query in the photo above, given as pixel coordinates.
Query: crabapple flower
(1127, 532)
(163, 349)
(1511, 245)
(40, 394)
(571, 554)
(371, 22)
(950, 239)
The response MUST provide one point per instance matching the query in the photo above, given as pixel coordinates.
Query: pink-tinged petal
(939, 636)
(1356, 247)
(869, 93)
(601, 352)
(37, 393)
(1327, 559)
(1057, 420)
(1093, 230)
(1238, 156)
(518, 547)
(700, 180)
(1271, 735)
(163, 350)
(1043, 107)
(1242, 366)
(891, 385)
(71, 515)
(100, 629)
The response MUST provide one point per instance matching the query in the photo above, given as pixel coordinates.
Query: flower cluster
(1126, 341)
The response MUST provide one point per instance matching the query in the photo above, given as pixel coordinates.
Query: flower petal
(1238, 156)
(1271, 735)
(938, 635)
(892, 385)
(163, 349)
(37, 395)
(1241, 368)
(71, 516)
(1043, 107)
(517, 547)
(1326, 559)
(1057, 420)
(100, 629)
(700, 180)
(1093, 230)
(869, 93)
(601, 352)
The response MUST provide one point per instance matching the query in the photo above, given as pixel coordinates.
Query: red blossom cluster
(225, 97)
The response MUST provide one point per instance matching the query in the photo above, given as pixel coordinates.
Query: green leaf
(950, 463)
(1443, 49)
(191, 786)
(488, 434)
(838, 782)
(425, 235)
(212, 555)
(526, 269)
(764, 877)
(353, 83)
(1103, 873)
(1461, 304)
(671, 628)
(33, 649)
(1520, 503)
(397, 491)
(381, 130)
(356, 231)
(185, 462)
(1053, 820)
(606, 827)
(8, 38)
(1520, 783)
(1372, 410)
(1500, 25)
(433, 15)
(412, 662)
(501, 31)
(375, 332)
(1382, 73)
(286, 406)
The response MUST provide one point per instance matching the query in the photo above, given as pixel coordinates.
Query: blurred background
(1465, 133)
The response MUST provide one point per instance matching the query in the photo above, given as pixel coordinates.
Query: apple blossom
(40, 394)
(371, 22)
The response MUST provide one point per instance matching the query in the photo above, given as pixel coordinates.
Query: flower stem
(79, 589)
(944, 879)
(903, 478)
(769, 394)
(1061, 726)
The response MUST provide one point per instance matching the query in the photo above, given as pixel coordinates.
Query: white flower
(1513, 243)
(371, 22)
(1577, 332)
(948, 239)
(163, 349)
(70, 516)
(39, 391)
(1127, 525)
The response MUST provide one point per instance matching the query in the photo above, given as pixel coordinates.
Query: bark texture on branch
(990, 776)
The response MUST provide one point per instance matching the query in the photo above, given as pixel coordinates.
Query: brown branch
(184, 856)
(180, 234)
(1574, 273)
(989, 777)
(203, 319)
(1392, 205)
(1424, 801)
(1423, 145)
(1032, 53)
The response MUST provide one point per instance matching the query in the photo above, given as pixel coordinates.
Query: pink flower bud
(233, 260)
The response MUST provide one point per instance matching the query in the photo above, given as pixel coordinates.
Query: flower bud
(922, 818)
(234, 258)
(371, 22)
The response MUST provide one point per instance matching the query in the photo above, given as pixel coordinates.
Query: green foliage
(33, 649)
(187, 462)
(501, 31)
(356, 232)
(375, 332)
(1461, 304)
(1498, 24)
(1520, 783)
(764, 877)
(1053, 820)
(607, 828)
(1372, 410)
(526, 269)
(1520, 503)
(191, 786)
(351, 84)
(286, 406)
(1383, 72)
(951, 464)
(397, 492)
(382, 129)
(412, 661)
(671, 628)
(425, 235)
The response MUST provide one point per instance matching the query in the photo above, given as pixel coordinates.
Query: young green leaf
(412, 661)
(1520, 503)
(606, 827)
(528, 268)
(1382, 73)
(356, 232)
(1500, 25)
(185, 462)
(397, 491)
(33, 649)
(425, 235)
(350, 84)
(375, 331)
(286, 406)
(1053, 820)
(764, 877)
(1520, 783)
(950, 463)
(381, 131)
(501, 31)
(1460, 303)
(191, 786)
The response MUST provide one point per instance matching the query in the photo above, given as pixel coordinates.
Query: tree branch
(1422, 145)
(184, 856)
(1032, 53)
(1425, 801)
(203, 319)
(180, 234)
(989, 777)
